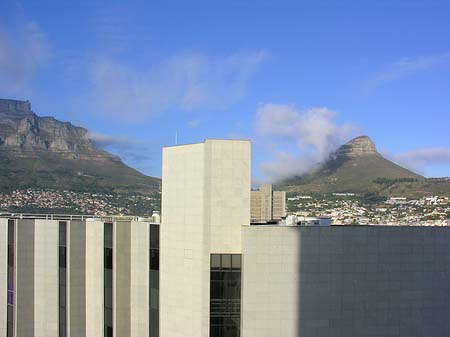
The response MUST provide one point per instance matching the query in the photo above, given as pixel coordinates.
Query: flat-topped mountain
(47, 153)
(357, 167)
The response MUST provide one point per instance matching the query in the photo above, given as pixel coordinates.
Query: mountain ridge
(44, 152)
(357, 167)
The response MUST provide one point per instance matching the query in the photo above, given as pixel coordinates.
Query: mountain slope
(357, 167)
(46, 153)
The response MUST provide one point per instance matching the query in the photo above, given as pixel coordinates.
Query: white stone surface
(139, 279)
(205, 201)
(3, 274)
(94, 278)
(46, 269)
(270, 281)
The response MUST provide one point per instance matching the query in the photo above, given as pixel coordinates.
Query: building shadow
(366, 281)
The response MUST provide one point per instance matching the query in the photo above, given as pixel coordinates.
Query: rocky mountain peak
(24, 133)
(357, 147)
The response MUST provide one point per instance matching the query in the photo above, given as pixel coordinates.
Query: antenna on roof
(176, 138)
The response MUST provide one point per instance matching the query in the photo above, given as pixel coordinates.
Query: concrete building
(267, 205)
(70, 276)
(222, 277)
(206, 272)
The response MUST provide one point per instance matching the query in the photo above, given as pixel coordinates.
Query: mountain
(43, 152)
(357, 167)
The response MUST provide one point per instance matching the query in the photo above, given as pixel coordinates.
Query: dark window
(62, 279)
(225, 295)
(154, 280)
(108, 279)
(11, 281)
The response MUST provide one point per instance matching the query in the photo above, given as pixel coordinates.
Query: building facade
(222, 277)
(67, 277)
(207, 272)
(267, 205)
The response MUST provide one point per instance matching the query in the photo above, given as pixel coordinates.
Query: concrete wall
(94, 278)
(279, 204)
(3, 274)
(121, 278)
(24, 278)
(227, 192)
(184, 242)
(139, 279)
(46, 270)
(205, 201)
(346, 281)
(76, 248)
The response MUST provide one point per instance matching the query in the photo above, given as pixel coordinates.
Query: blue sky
(297, 78)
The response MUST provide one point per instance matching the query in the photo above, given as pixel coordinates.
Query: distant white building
(294, 220)
(267, 205)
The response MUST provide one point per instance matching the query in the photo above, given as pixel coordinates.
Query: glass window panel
(216, 289)
(108, 298)
(108, 258)
(62, 276)
(154, 259)
(154, 236)
(225, 296)
(108, 232)
(215, 261)
(236, 261)
(226, 261)
(62, 296)
(10, 278)
(10, 255)
(108, 317)
(11, 232)
(62, 233)
(215, 331)
(154, 279)
(62, 257)
(154, 298)
(154, 323)
(109, 331)
(10, 330)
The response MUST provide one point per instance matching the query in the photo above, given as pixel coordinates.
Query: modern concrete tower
(205, 202)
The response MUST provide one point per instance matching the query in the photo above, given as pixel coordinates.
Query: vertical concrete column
(121, 278)
(24, 278)
(3, 274)
(94, 278)
(76, 257)
(139, 279)
(182, 246)
(46, 286)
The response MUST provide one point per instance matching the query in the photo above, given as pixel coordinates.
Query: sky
(298, 78)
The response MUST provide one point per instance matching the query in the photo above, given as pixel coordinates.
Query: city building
(207, 272)
(267, 205)
(222, 277)
(74, 276)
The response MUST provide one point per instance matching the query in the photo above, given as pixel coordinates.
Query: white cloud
(187, 82)
(418, 160)
(298, 139)
(406, 67)
(22, 52)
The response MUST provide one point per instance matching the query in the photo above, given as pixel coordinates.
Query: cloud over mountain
(314, 133)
